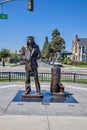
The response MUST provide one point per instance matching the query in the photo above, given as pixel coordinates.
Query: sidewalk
(42, 123)
(35, 115)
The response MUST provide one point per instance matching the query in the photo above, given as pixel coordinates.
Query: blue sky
(68, 16)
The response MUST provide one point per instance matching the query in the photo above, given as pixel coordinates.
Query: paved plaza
(42, 115)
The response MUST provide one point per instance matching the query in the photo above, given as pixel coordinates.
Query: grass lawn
(10, 64)
(80, 66)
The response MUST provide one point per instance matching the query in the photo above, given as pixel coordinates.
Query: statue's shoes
(38, 93)
(27, 91)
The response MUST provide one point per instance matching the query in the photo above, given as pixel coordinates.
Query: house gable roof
(82, 41)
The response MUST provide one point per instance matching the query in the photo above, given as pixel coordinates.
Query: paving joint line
(47, 118)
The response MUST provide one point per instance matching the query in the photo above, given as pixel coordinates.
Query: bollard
(55, 79)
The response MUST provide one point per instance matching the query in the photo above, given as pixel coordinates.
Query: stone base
(60, 94)
(32, 96)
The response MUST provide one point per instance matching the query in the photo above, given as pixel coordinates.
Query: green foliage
(56, 44)
(51, 48)
(14, 57)
(22, 50)
(4, 53)
(55, 33)
(45, 50)
(0, 57)
(81, 63)
(67, 61)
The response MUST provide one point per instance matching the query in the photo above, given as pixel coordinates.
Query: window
(85, 50)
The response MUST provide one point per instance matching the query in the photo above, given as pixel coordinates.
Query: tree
(46, 42)
(4, 53)
(14, 58)
(52, 49)
(57, 43)
(45, 51)
(55, 33)
(22, 50)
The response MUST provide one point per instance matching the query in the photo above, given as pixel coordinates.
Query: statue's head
(30, 41)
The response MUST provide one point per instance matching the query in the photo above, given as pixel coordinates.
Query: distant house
(66, 54)
(79, 49)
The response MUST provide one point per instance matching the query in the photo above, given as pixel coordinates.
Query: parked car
(22, 62)
(51, 63)
(58, 63)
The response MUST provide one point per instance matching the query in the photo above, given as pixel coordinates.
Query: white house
(79, 49)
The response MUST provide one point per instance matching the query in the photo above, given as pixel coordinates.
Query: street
(44, 68)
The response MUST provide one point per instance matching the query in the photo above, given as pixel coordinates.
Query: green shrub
(65, 60)
(82, 63)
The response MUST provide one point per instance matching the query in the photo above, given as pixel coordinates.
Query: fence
(65, 77)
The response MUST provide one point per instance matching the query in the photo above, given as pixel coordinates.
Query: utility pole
(30, 4)
(30, 7)
(2, 15)
(5, 1)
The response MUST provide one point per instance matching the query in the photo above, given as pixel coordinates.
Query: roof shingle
(82, 41)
